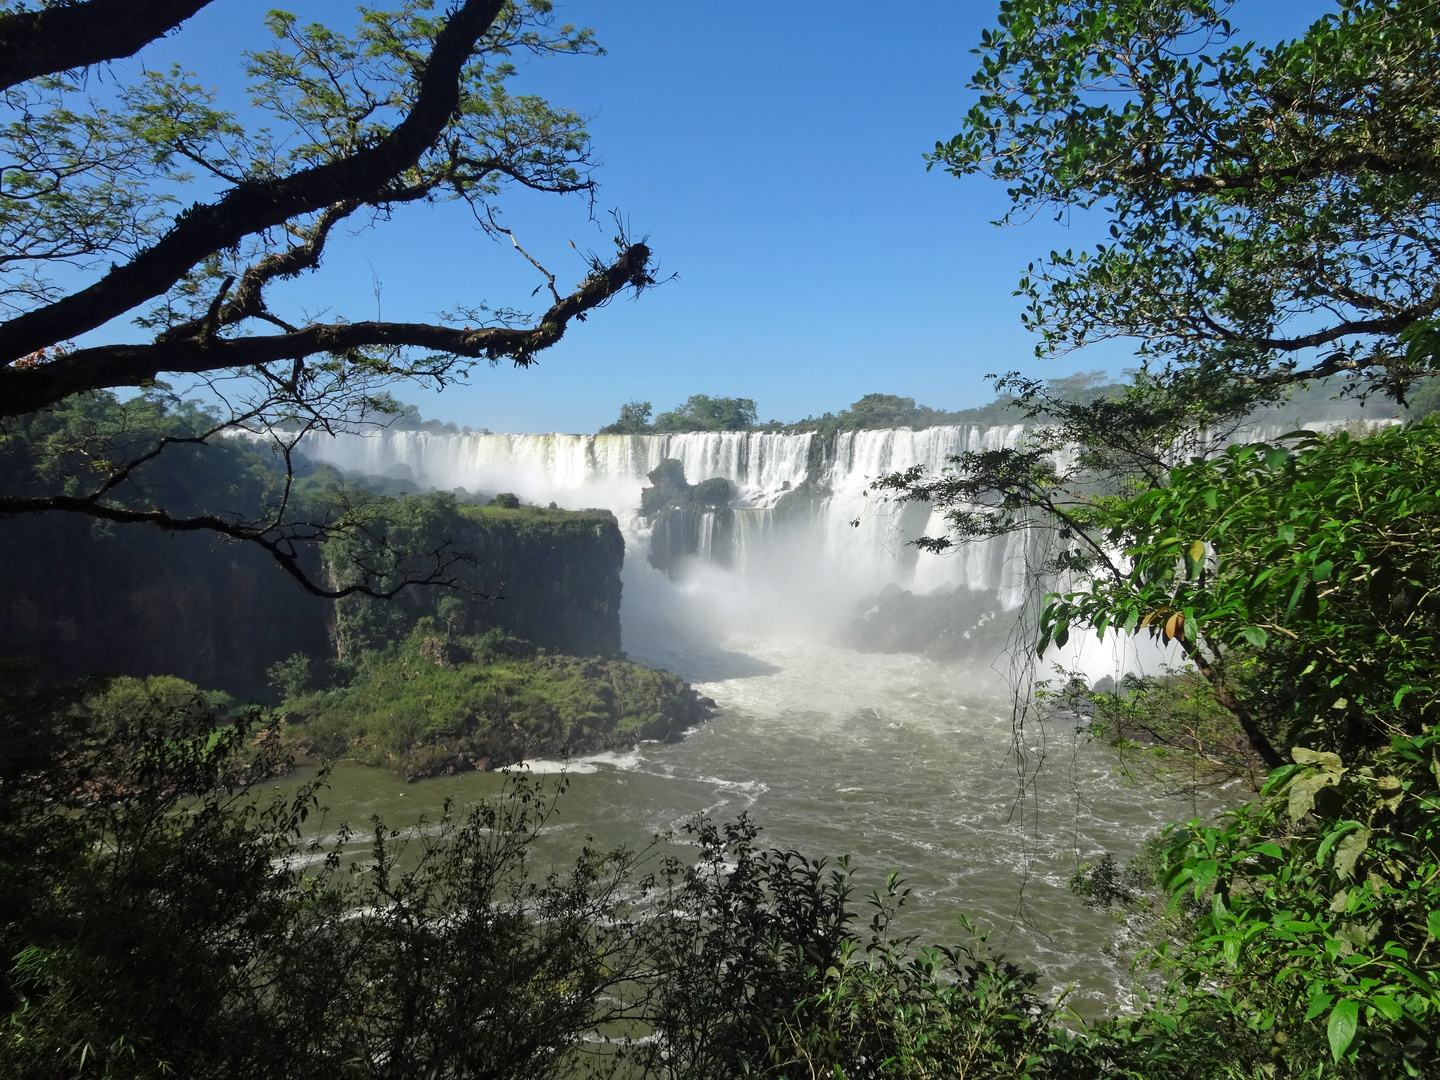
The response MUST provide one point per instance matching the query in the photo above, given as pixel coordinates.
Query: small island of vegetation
(437, 702)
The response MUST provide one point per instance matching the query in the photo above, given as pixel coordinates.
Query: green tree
(1271, 211)
(634, 420)
(882, 411)
(1271, 214)
(1320, 911)
(413, 107)
(155, 460)
(704, 413)
(1271, 218)
(1299, 580)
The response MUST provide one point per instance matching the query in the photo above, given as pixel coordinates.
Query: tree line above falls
(702, 412)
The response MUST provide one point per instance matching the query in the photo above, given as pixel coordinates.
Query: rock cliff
(134, 601)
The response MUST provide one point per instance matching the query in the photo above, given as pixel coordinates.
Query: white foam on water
(902, 761)
(577, 766)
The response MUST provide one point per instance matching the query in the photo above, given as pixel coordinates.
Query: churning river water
(900, 761)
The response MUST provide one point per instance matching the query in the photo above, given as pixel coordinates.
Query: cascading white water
(902, 760)
(799, 567)
(854, 544)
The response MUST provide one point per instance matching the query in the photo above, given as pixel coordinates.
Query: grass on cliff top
(532, 513)
(485, 699)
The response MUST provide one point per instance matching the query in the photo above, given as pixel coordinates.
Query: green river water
(901, 762)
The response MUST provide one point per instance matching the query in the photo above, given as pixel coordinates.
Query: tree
(701, 412)
(1272, 223)
(883, 411)
(1272, 211)
(634, 419)
(1297, 578)
(158, 918)
(1271, 217)
(411, 108)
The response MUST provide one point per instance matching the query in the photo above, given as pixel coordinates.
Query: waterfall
(805, 544)
(845, 542)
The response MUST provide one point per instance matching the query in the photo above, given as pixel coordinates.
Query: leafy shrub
(1324, 909)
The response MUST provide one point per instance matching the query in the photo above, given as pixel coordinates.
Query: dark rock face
(678, 511)
(945, 625)
(141, 602)
(553, 577)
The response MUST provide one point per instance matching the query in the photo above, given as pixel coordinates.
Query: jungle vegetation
(1272, 223)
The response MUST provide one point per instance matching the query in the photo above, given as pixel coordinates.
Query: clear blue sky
(773, 155)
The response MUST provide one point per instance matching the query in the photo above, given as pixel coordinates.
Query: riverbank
(440, 704)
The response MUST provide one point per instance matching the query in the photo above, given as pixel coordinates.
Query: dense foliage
(1321, 911)
(1262, 202)
(551, 576)
(132, 848)
(703, 413)
(436, 702)
(158, 919)
(1300, 579)
(72, 449)
(1271, 217)
(1303, 929)
(157, 460)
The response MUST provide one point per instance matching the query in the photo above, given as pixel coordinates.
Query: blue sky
(773, 155)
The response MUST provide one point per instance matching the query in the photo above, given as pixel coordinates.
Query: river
(900, 760)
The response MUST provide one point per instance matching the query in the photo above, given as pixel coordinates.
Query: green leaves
(1340, 1027)
(1195, 559)
(1333, 919)
(1228, 174)
(1349, 850)
(1322, 770)
(1316, 574)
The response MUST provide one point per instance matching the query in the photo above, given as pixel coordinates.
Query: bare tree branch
(25, 388)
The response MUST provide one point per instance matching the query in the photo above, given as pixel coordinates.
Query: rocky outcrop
(680, 512)
(945, 625)
(136, 601)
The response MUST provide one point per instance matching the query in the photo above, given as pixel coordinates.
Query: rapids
(903, 762)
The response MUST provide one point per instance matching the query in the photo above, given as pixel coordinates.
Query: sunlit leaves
(1316, 559)
(1256, 196)
(1328, 916)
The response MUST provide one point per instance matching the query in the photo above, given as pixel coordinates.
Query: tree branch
(1259, 741)
(1387, 325)
(258, 205)
(54, 39)
(27, 388)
